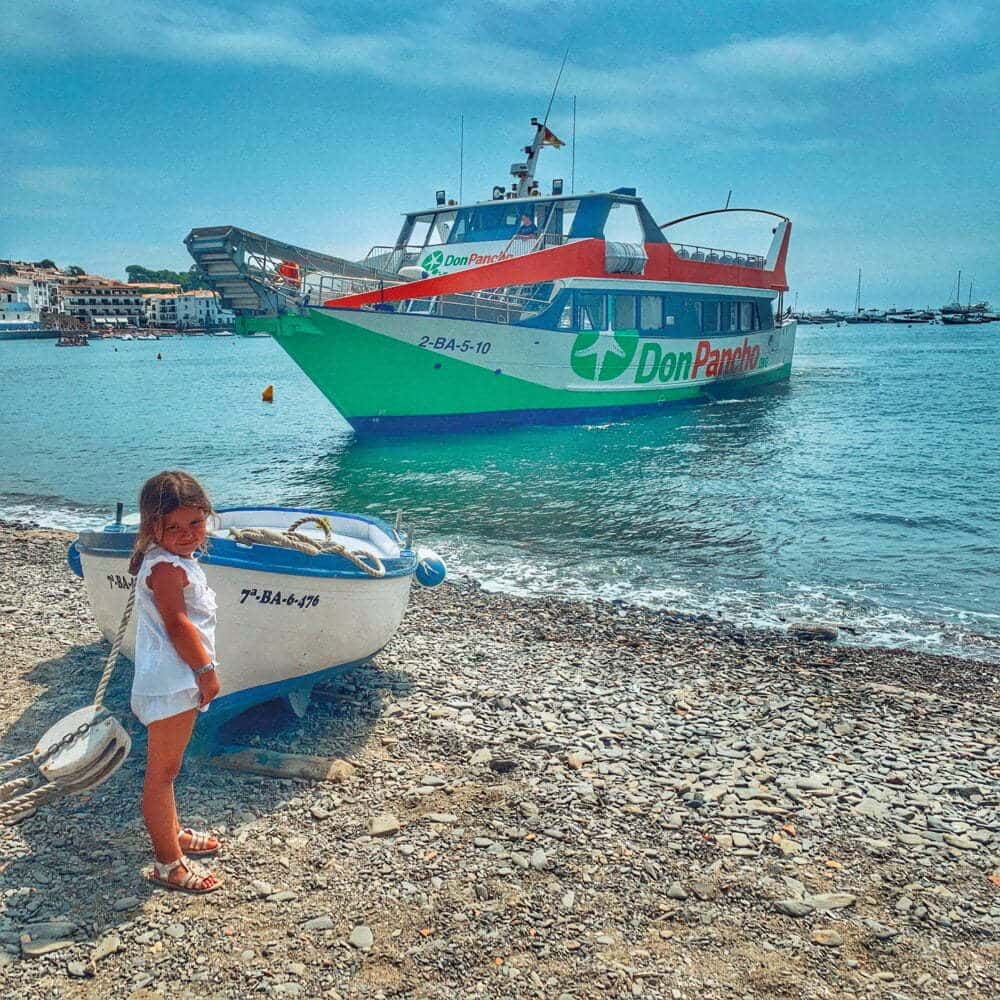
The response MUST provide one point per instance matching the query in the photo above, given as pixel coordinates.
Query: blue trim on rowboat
(118, 543)
(227, 707)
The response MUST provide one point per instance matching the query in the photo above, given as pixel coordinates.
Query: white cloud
(745, 85)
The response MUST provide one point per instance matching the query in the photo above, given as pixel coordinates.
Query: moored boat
(286, 619)
(523, 309)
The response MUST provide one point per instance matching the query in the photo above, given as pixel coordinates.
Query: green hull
(381, 382)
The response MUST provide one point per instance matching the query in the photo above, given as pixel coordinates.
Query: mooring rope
(14, 805)
(291, 538)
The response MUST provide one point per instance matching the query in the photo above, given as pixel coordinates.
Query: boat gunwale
(263, 558)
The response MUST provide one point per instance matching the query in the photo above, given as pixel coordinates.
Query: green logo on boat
(601, 358)
(432, 262)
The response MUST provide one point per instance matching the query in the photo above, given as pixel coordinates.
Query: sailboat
(863, 315)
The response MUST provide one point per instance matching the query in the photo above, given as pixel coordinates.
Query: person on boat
(528, 227)
(175, 669)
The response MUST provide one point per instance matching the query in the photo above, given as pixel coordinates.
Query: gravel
(553, 799)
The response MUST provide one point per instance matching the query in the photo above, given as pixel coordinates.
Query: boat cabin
(617, 215)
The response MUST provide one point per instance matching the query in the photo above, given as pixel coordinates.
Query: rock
(106, 946)
(483, 756)
(35, 949)
(502, 765)
(812, 631)
(125, 903)
(539, 859)
(318, 812)
(437, 817)
(262, 889)
(284, 896)
(323, 923)
(827, 937)
(705, 890)
(383, 825)
(831, 900)
(176, 931)
(676, 891)
(81, 970)
(362, 938)
(794, 907)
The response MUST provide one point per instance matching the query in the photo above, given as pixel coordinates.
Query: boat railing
(713, 255)
(491, 305)
(308, 285)
(390, 259)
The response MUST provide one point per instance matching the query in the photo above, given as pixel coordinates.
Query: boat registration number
(290, 599)
(461, 346)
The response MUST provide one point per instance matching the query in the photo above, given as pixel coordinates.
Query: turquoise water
(863, 493)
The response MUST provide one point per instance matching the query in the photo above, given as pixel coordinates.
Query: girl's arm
(167, 583)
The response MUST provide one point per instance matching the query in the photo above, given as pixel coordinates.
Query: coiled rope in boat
(76, 754)
(291, 538)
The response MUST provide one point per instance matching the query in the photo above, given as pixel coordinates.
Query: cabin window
(443, 224)
(729, 317)
(497, 220)
(650, 312)
(622, 312)
(590, 311)
(623, 225)
(566, 316)
(421, 231)
(746, 316)
(710, 317)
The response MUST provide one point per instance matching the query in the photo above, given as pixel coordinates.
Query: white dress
(163, 684)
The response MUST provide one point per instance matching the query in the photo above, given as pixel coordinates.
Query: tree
(74, 271)
(46, 264)
(188, 280)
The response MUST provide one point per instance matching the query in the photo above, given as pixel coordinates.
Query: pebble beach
(544, 799)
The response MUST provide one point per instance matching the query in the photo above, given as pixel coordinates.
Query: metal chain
(84, 728)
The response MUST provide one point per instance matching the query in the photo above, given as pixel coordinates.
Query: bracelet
(205, 669)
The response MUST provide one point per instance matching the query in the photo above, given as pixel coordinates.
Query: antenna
(572, 169)
(545, 120)
(461, 155)
(728, 196)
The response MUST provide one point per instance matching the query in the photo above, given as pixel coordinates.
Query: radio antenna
(461, 155)
(545, 121)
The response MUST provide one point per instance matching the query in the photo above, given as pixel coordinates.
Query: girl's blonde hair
(161, 495)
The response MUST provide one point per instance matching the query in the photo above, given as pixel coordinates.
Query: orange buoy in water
(267, 396)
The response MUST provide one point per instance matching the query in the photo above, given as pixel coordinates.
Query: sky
(125, 123)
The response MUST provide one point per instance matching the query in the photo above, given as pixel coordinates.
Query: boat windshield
(501, 220)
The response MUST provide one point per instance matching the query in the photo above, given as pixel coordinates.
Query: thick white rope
(290, 538)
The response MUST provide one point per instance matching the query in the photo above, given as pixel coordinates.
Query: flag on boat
(549, 138)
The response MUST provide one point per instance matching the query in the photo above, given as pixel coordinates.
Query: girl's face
(182, 531)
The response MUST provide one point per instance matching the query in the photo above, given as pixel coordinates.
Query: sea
(865, 493)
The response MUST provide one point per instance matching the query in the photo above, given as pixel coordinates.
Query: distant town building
(195, 310)
(101, 302)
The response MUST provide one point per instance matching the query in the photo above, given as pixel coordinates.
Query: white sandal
(191, 881)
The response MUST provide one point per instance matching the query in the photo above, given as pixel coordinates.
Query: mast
(857, 298)
(525, 172)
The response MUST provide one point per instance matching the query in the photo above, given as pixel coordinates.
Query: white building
(100, 301)
(15, 302)
(196, 310)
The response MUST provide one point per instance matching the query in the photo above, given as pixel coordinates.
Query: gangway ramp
(243, 267)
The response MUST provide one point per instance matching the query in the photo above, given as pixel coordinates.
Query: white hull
(284, 619)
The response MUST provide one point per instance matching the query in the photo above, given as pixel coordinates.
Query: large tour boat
(523, 309)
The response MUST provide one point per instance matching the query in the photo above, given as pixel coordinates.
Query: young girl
(175, 669)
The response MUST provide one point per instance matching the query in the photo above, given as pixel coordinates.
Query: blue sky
(874, 126)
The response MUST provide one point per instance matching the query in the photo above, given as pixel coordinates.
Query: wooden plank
(272, 764)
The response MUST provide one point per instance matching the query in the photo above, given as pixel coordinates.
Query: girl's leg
(166, 742)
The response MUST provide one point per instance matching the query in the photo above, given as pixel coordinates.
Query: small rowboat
(286, 619)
